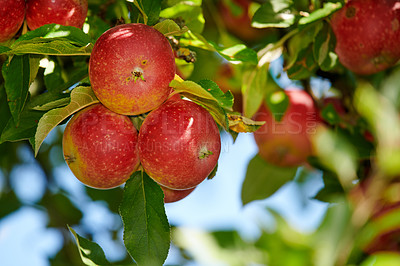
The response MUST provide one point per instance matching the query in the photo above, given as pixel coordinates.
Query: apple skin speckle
(130, 68)
(63, 12)
(12, 15)
(367, 35)
(100, 147)
(172, 141)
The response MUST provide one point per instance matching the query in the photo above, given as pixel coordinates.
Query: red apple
(287, 142)
(131, 67)
(179, 144)
(367, 35)
(239, 22)
(63, 12)
(12, 15)
(171, 195)
(100, 147)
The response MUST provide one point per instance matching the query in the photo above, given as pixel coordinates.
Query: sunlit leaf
(224, 99)
(91, 253)
(146, 228)
(81, 97)
(383, 118)
(209, 96)
(324, 46)
(169, 27)
(327, 9)
(187, 11)
(50, 32)
(274, 13)
(53, 39)
(337, 154)
(382, 258)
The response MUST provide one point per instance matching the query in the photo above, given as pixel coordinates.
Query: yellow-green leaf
(81, 97)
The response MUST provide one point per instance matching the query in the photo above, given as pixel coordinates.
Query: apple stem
(205, 154)
(69, 158)
(138, 73)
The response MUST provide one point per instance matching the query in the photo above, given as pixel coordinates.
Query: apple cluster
(178, 143)
(37, 13)
(367, 35)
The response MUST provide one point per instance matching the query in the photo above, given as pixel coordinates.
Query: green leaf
(330, 115)
(148, 13)
(256, 84)
(263, 179)
(385, 223)
(385, 124)
(169, 27)
(91, 253)
(9, 202)
(277, 103)
(332, 188)
(302, 63)
(224, 99)
(53, 39)
(382, 259)
(238, 52)
(52, 74)
(274, 13)
(81, 97)
(324, 47)
(304, 66)
(337, 226)
(187, 11)
(146, 227)
(54, 47)
(328, 9)
(26, 129)
(54, 104)
(4, 49)
(17, 76)
(205, 98)
(242, 124)
(51, 32)
(48, 100)
(336, 154)
(4, 109)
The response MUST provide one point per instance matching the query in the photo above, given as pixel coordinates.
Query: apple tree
(133, 95)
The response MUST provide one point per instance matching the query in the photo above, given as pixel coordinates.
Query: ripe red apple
(367, 35)
(179, 144)
(12, 15)
(171, 195)
(131, 67)
(63, 12)
(100, 147)
(287, 142)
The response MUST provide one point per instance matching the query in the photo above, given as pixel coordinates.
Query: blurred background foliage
(357, 156)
